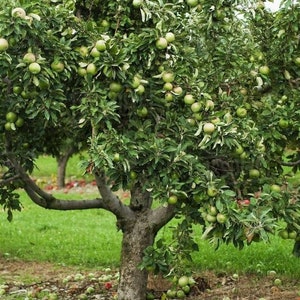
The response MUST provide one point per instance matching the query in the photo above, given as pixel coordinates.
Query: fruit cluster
(212, 215)
(181, 287)
(13, 121)
(288, 233)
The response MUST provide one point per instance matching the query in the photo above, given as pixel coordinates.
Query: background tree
(187, 108)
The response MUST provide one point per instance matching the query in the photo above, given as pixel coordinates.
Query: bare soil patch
(20, 279)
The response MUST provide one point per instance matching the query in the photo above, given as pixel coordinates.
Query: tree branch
(9, 180)
(290, 163)
(57, 204)
(112, 202)
(161, 216)
(109, 201)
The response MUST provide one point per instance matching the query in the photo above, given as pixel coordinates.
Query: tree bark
(137, 236)
(62, 161)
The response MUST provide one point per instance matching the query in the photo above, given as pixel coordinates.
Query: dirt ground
(46, 281)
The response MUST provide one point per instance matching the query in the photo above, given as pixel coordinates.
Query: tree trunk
(137, 236)
(62, 161)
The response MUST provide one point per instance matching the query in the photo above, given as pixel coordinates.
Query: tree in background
(190, 105)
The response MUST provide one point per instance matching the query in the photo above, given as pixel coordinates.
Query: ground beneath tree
(35, 280)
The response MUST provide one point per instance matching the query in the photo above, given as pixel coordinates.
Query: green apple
(137, 3)
(91, 69)
(189, 99)
(196, 107)
(57, 66)
(133, 175)
(264, 70)
(180, 294)
(17, 89)
(168, 86)
(277, 282)
(284, 234)
(100, 45)
(161, 43)
(142, 112)
(221, 218)
(292, 235)
(275, 188)
(168, 76)
(140, 89)
(212, 191)
(34, 68)
(81, 71)
(19, 122)
(209, 128)
(239, 150)
(169, 97)
(271, 273)
(186, 289)
(83, 50)
(170, 37)
(115, 87)
(95, 52)
(11, 117)
(90, 290)
(241, 112)
(8, 126)
(116, 157)
(192, 3)
(29, 58)
(243, 91)
(136, 81)
(191, 121)
(216, 120)
(3, 44)
(172, 199)
(297, 61)
(283, 123)
(213, 211)
(254, 173)
(171, 294)
(183, 281)
(177, 90)
(209, 105)
(210, 218)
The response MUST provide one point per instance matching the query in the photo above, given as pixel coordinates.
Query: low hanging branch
(290, 163)
(109, 201)
(9, 180)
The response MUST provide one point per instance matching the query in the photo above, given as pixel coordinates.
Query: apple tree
(190, 105)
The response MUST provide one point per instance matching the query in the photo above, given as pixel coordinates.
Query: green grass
(257, 258)
(86, 237)
(90, 238)
(47, 167)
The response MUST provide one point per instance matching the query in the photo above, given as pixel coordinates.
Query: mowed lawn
(90, 238)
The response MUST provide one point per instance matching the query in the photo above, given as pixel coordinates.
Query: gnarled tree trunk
(137, 236)
(139, 223)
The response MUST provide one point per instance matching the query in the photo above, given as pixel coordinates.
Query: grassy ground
(90, 238)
